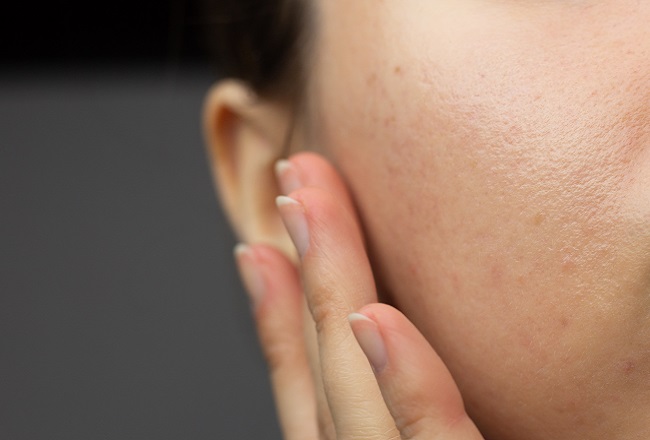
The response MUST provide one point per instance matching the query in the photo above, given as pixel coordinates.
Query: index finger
(337, 280)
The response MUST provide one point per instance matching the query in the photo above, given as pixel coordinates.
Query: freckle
(521, 280)
(568, 265)
(398, 70)
(538, 219)
(526, 341)
(564, 322)
(628, 367)
(389, 121)
(414, 269)
(372, 79)
(496, 273)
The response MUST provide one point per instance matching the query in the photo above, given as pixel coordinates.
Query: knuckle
(370, 430)
(322, 316)
(327, 310)
(411, 428)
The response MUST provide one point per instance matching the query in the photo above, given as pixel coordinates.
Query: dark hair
(258, 41)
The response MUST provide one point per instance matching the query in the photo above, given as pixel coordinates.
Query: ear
(245, 135)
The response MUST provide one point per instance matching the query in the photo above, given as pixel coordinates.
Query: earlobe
(245, 135)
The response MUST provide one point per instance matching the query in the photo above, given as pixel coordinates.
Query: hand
(372, 375)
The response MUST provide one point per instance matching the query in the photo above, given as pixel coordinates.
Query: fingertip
(418, 389)
(278, 316)
(308, 159)
(293, 216)
(354, 317)
(288, 176)
(369, 337)
(250, 273)
(282, 165)
(315, 170)
(240, 249)
(304, 169)
(267, 275)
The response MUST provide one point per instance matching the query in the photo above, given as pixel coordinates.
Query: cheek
(505, 198)
(539, 161)
(515, 235)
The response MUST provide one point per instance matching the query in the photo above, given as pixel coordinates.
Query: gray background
(121, 315)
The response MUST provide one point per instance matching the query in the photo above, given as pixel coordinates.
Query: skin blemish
(398, 70)
(568, 264)
(628, 367)
(539, 219)
(521, 280)
(496, 275)
(389, 121)
(564, 322)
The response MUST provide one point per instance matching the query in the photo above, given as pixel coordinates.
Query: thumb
(417, 387)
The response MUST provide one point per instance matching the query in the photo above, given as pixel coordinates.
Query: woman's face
(499, 153)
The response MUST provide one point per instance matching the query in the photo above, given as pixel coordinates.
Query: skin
(498, 155)
(392, 400)
(504, 189)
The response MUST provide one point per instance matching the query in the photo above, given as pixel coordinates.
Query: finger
(418, 389)
(337, 280)
(324, 416)
(301, 170)
(273, 284)
(311, 169)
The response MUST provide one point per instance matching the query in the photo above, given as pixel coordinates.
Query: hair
(260, 42)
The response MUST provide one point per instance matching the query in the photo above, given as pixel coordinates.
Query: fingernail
(293, 216)
(250, 274)
(369, 338)
(287, 176)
